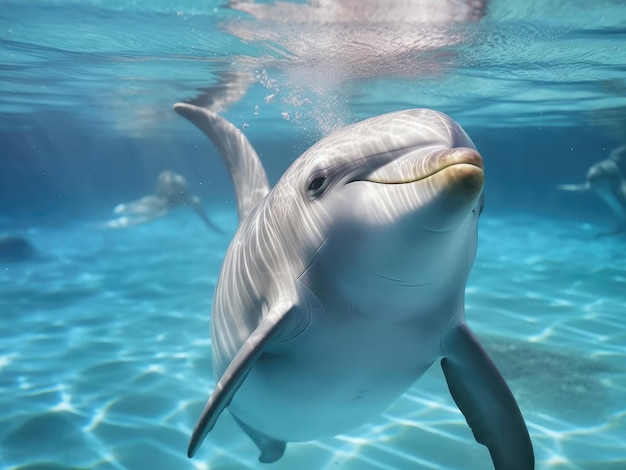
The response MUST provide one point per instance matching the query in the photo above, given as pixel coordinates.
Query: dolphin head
(394, 198)
(604, 176)
(172, 187)
(606, 180)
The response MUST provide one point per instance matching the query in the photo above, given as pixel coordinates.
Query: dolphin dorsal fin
(242, 162)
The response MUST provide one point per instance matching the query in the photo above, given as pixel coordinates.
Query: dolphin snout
(461, 176)
(465, 155)
(423, 164)
(465, 175)
(435, 188)
(454, 189)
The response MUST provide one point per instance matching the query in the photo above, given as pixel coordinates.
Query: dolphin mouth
(434, 188)
(425, 164)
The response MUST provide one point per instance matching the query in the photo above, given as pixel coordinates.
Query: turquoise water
(105, 358)
(105, 354)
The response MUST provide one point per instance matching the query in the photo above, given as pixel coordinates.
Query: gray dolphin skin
(346, 282)
(606, 179)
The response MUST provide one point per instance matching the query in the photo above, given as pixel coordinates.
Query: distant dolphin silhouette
(606, 179)
(171, 191)
(14, 248)
(346, 281)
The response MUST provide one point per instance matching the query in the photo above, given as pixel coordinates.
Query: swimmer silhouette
(606, 179)
(171, 192)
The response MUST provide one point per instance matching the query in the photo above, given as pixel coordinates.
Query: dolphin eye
(317, 185)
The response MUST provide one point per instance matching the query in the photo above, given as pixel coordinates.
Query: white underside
(342, 373)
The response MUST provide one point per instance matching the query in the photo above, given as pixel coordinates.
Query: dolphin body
(346, 281)
(606, 179)
(171, 191)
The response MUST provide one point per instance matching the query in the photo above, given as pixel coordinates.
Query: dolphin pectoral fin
(234, 375)
(574, 187)
(271, 449)
(194, 203)
(486, 401)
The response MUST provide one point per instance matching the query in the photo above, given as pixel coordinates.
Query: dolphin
(171, 191)
(345, 282)
(606, 179)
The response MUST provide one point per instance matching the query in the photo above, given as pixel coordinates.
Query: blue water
(104, 334)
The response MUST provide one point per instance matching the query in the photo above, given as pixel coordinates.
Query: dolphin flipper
(575, 187)
(271, 449)
(485, 400)
(234, 375)
(194, 203)
(148, 206)
(242, 162)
